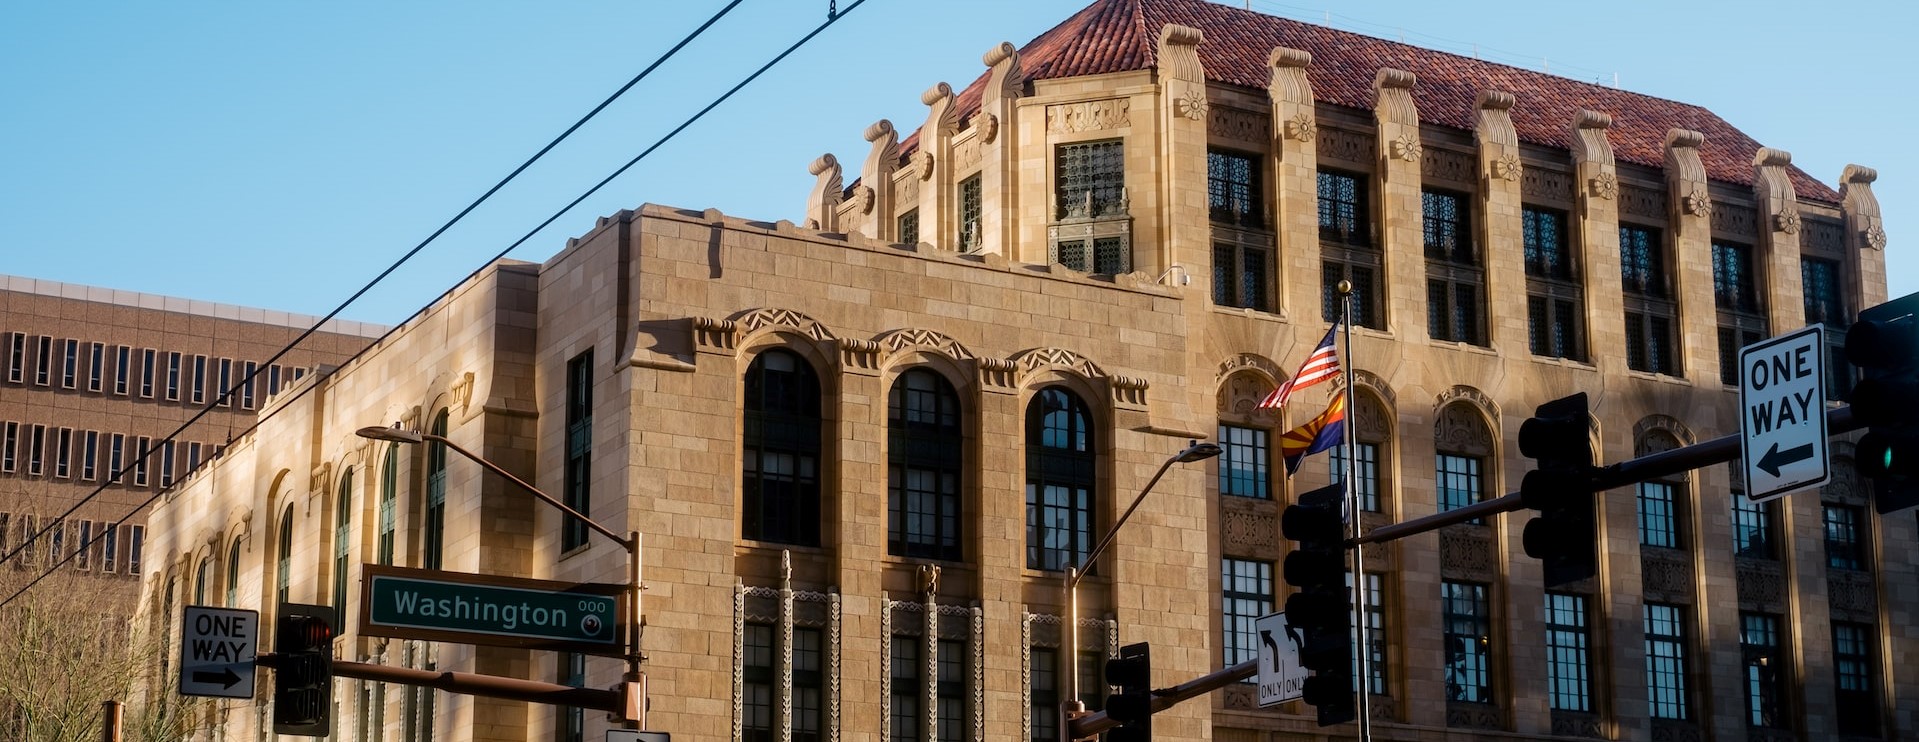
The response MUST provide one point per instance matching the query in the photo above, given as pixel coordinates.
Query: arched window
(201, 579)
(924, 462)
(1059, 480)
(283, 572)
(1373, 434)
(342, 538)
(1662, 502)
(233, 573)
(389, 497)
(433, 535)
(781, 497)
(1462, 457)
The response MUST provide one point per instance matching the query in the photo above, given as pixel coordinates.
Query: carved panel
(1238, 124)
(1852, 593)
(900, 341)
(1545, 184)
(1037, 359)
(1249, 533)
(1345, 145)
(1644, 202)
(1735, 220)
(1844, 486)
(1762, 585)
(1371, 421)
(1823, 235)
(1092, 115)
(1439, 163)
(758, 319)
(1673, 730)
(1575, 724)
(1461, 429)
(1466, 553)
(906, 193)
(1463, 715)
(965, 154)
(1239, 398)
(1666, 574)
(1240, 696)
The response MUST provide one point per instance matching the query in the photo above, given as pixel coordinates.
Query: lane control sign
(1782, 414)
(1281, 677)
(217, 646)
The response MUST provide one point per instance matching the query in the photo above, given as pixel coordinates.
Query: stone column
(874, 212)
(1865, 233)
(1501, 230)
(1295, 179)
(932, 165)
(1778, 246)
(1596, 223)
(1690, 208)
(1178, 193)
(999, 176)
(998, 537)
(856, 516)
(1399, 212)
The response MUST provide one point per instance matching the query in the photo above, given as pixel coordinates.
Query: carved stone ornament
(1507, 168)
(863, 199)
(1192, 105)
(1603, 185)
(1406, 147)
(988, 128)
(1301, 127)
(1875, 237)
(1698, 203)
(1786, 221)
(923, 164)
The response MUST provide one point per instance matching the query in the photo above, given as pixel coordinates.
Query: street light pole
(634, 682)
(1194, 451)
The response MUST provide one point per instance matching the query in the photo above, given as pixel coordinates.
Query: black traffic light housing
(1132, 706)
(1884, 344)
(1565, 535)
(1321, 612)
(303, 683)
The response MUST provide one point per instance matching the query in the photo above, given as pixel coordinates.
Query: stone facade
(636, 342)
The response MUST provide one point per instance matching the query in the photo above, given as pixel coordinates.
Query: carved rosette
(1406, 147)
(1301, 128)
(923, 164)
(864, 198)
(1507, 167)
(988, 128)
(1604, 185)
(1875, 237)
(1192, 105)
(1698, 203)
(1786, 222)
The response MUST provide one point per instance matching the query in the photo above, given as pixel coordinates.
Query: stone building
(861, 448)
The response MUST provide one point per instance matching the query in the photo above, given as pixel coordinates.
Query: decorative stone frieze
(1224, 122)
(1094, 115)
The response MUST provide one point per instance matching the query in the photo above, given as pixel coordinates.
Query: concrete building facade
(861, 448)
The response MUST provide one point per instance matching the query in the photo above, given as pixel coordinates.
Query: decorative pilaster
(999, 167)
(1778, 230)
(823, 203)
(1596, 225)
(932, 165)
(1398, 181)
(1501, 224)
(874, 215)
(1865, 232)
(1690, 219)
(1295, 180)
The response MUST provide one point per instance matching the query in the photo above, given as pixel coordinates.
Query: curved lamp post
(635, 680)
(1194, 451)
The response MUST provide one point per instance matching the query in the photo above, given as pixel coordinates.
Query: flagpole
(1361, 612)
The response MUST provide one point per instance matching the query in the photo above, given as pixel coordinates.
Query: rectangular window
(225, 391)
(571, 719)
(1452, 311)
(1242, 275)
(82, 558)
(116, 456)
(1543, 233)
(1844, 549)
(1368, 469)
(16, 357)
(11, 441)
(90, 455)
(43, 366)
(136, 543)
(1766, 670)
(1568, 656)
(1468, 624)
(1246, 593)
(908, 688)
(1658, 515)
(1090, 179)
(1642, 261)
(149, 368)
(197, 391)
(166, 463)
(949, 691)
(1666, 668)
(1819, 279)
(809, 686)
(173, 377)
(1232, 189)
(757, 683)
(109, 548)
(1858, 704)
(143, 450)
(1243, 465)
(1375, 630)
(1459, 482)
(1102, 255)
(96, 366)
(248, 373)
(1731, 339)
(122, 369)
(1446, 221)
(1649, 345)
(1734, 286)
(1552, 327)
(909, 227)
(1366, 312)
(193, 455)
(1752, 535)
(1043, 688)
(63, 453)
(579, 447)
(69, 364)
(1344, 210)
(273, 379)
(37, 450)
(969, 210)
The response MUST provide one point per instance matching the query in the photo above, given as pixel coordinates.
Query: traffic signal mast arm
(1164, 698)
(472, 684)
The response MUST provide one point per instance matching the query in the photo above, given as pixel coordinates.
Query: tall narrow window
(579, 448)
(342, 538)
(10, 447)
(70, 364)
(89, 455)
(1366, 462)
(924, 467)
(949, 691)
(909, 227)
(16, 357)
(757, 683)
(907, 724)
(83, 551)
(1060, 456)
(1090, 179)
(233, 574)
(248, 373)
(96, 367)
(1468, 624)
(43, 366)
(1858, 702)
(197, 387)
(1666, 667)
(1345, 234)
(571, 719)
(202, 580)
(1568, 656)
(1242, 259)
(1453, 273)
(37, 450)
(1650, 345)
(809, 686)
(389, 503)
(1766, 670)
(1246, 593)
(433, 537)
(1554, 301)
(969, 211)
(1243, 466)
(1752, 530)
(1043, 687)
(110, 548)
(173, 377)
(63, 453)
(122, 369)
(1843, 545)
(1460, 483)
(167, 462)
(1735, 292)
(781, 482)
(1375, 631)
(225, 391)
(1659, 515)
(149, 367)
(1233, 193)
(1825, 304)
(116, 457)
(283, 561)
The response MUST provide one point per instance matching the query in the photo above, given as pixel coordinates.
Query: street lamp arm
(1107, 540)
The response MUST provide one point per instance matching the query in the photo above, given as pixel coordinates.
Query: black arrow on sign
(1776, 458)
(1267, 638)
(225, 677)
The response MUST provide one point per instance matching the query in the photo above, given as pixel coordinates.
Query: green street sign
(462, 608)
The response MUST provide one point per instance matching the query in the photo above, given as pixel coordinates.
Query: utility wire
(227, 394)
(496, 257)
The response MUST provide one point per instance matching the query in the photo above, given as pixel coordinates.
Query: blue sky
(281, 154)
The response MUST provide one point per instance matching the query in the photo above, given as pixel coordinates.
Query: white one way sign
(216, 651)
(1782, 414)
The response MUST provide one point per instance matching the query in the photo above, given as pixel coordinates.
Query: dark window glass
(283, 567)
(1642, 261)
(1666, 666)
(1658, 514)
(757, 683)
(924, 468)
(1844, 548)
(1243, 465)
(1459, 482)
(1731, 339)
(1246, 593)
(1365, 294)
(1766, 669)
(1241, 276)
(1368, 468)
(1649, 344)
(342, 538)
(1091, 178)
(1375, 631)
(579, 448)
(1468, 625)
(1824, 303)
(909, 227)
(1343, 208)
(907, 724)
(1734, 286)
(809, 685)
(969, 210)
(1568, 653)
(781, 502)
(950, 691)
(1452, 311)
(1233, 193)
(1553, 327)
(433, 545)
(1043, 716)
(1446, 220)
(571, 720)
(1752, 535)
(1059, 480)
(1858, 703)
(389, 503)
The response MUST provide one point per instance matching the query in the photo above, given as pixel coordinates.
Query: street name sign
(434, 605)
(217, 647)
(1782, 414)
(1281, 677)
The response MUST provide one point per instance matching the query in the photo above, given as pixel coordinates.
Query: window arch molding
(1096, 475)
(821, 500)
(932, 485)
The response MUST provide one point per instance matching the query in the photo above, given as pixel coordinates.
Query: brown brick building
(860, 449)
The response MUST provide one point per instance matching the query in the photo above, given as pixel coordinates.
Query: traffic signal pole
(491, 686)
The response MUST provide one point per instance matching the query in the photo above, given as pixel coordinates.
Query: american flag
(1323, 364)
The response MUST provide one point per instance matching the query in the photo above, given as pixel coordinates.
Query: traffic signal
(303, 683)
(1132, 706)
(1321, 611)
(1565, 535)
(1884, 343)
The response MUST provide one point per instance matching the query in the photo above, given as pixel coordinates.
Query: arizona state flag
(1318, 434)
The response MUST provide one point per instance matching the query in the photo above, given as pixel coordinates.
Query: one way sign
(1782, 414)
(216, 651)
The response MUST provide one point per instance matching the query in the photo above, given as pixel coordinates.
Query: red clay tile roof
(1122, 35)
